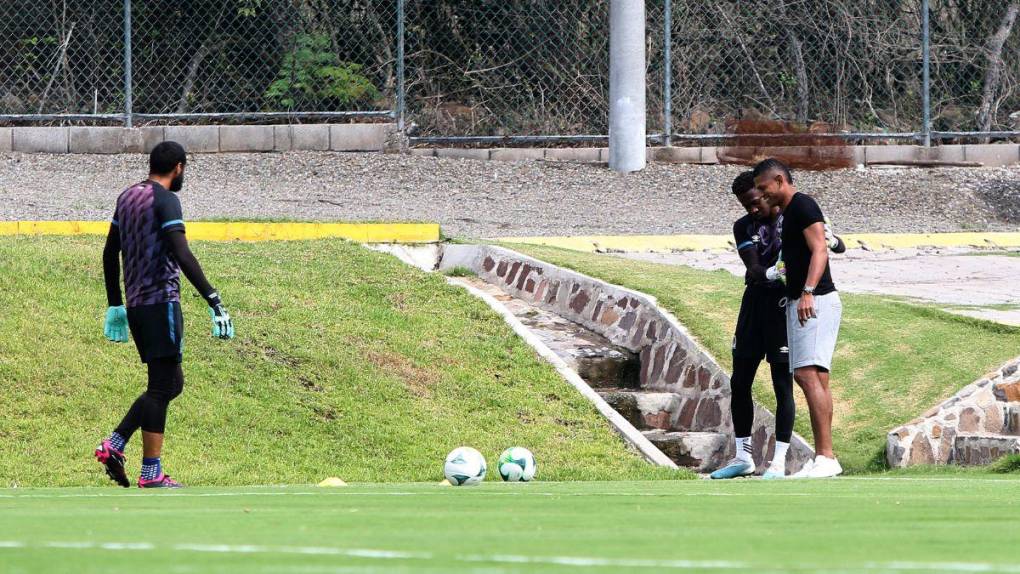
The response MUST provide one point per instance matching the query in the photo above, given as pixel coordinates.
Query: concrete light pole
(627, 138)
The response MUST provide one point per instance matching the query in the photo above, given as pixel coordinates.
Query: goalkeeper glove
(116, 326)
(830, 238)
(777, 272)
(222, 325)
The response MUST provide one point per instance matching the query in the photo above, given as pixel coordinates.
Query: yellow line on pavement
(668, 243)
(250, 231)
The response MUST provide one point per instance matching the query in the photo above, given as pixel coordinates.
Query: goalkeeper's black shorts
(158, 330)
(761, 325)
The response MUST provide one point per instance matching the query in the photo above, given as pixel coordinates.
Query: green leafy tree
(313, 74)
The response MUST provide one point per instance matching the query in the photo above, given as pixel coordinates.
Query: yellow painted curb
(250, 231)
(669, 243)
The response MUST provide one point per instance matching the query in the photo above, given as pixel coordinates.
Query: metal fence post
(667, 81)
(128, 103)
(400, 66)
(926, 88)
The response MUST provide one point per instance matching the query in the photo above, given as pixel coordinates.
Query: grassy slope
(347, 363)
(846, 525)
(893, 361)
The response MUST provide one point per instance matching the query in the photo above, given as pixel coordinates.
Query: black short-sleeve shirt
(801, 213)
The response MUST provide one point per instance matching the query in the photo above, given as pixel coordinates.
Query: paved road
(977, 284)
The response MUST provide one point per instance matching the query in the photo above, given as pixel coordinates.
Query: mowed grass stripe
(893, 360)
(968, 525)
(347, 363)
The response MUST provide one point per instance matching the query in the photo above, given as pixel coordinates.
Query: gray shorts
(813, 343)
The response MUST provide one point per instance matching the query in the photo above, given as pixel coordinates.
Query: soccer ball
(516, 464)
(464, 466)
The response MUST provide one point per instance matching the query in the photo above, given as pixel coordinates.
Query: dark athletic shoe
(113, 461)
(161, 481)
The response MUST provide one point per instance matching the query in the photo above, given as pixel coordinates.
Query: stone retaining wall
(988, 155)
(381, 136)
(979, 415)
(198, 139)
(671, 360)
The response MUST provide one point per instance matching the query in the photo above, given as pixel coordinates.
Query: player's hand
(222, 325)
(806, 308)
(830, 238)
(116, 326)
(777, 272)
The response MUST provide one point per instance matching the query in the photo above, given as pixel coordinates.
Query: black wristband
(213, 299)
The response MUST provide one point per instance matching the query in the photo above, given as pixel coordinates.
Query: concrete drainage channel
(634, 361)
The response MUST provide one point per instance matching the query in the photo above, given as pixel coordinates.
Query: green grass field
(894, 360)
(847, 525)
(347, 363)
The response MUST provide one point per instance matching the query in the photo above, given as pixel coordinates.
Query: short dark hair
(773, 164)
(165, 157)
(743, 183)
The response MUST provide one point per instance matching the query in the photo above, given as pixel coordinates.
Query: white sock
(779, 458)
(743, 448)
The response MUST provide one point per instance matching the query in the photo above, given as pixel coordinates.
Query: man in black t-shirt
(813, 310)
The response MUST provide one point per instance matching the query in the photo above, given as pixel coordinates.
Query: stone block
(105, 140)
(195, 139)
(604, 154)
(626, 404)
(859, 155)
(953, 153)
(587, 154)
(314, 137)
(702, 451)
(463, 153)
(710, 154)
(247, 138)
(6, 143)
(877, 154)
(993, 155)
(151, 137)
(659, 410)
(517, 154)
(359, 137)
(974, 450)
(1012, 419)
(40, 140)
(676, 154)
(1008, 392)
(423, 151)
(283, 138)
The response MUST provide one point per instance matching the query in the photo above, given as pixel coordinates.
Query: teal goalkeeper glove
(222, 325)
(116, 325)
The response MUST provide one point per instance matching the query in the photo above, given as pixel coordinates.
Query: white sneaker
(803, 472)
(825, 467)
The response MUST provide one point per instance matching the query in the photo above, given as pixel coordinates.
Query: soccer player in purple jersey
(147, 233)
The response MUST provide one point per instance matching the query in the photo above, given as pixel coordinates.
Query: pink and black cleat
(161, 481)
(113, 461)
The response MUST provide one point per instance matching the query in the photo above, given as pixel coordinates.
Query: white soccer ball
(517, 464)
(464, 466)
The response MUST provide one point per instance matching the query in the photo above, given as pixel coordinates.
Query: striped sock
(151, 469)
(117, 442)
(744, 448)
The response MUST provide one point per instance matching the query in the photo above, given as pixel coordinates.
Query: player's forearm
(189, 264)
(819, 259)
(111, 273)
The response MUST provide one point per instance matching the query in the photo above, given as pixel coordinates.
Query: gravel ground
(497, 199)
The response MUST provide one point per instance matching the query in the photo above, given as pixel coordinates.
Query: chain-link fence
(516, 68)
